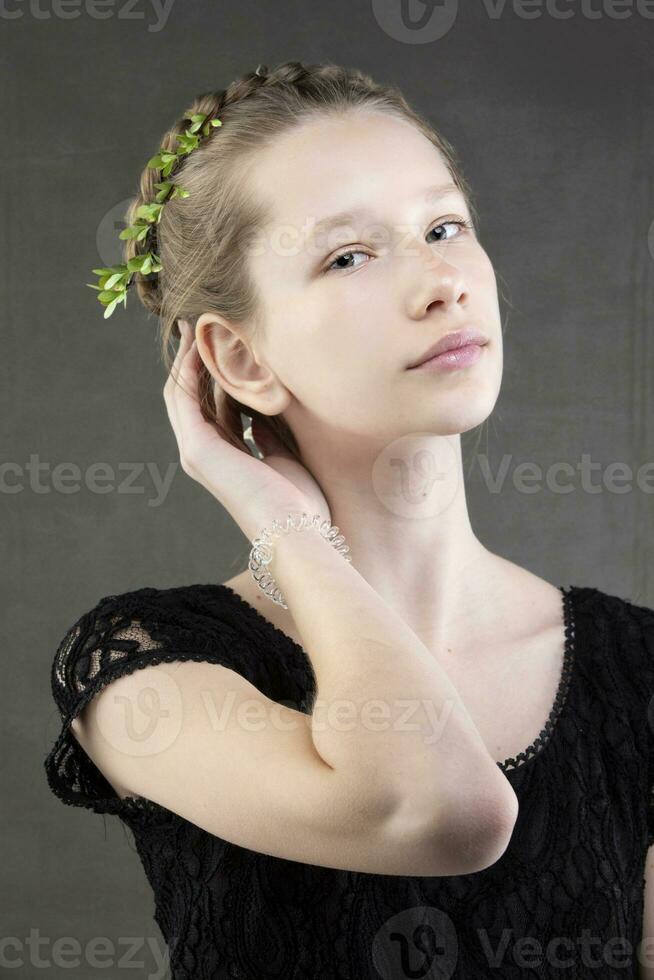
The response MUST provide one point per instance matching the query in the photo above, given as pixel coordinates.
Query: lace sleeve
(108, 641)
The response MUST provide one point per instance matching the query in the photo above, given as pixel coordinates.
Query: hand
(253, 491)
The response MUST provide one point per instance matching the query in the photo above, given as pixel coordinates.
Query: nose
(441, 282)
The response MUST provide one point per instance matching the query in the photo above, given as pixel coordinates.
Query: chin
(455, 419)
(458, 428)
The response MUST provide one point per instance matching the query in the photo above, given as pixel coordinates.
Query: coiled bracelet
(261, 553)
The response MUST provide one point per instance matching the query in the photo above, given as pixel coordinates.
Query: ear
(232, 361)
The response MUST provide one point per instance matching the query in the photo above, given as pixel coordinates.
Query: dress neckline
(544, 738)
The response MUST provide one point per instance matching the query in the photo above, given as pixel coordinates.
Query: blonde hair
(202, 239)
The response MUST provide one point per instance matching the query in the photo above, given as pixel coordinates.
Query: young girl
(387, 751)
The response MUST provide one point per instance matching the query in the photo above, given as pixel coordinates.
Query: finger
(172, 383)
(183, 326)
(186, 339)
(187, 375)
(184, 406)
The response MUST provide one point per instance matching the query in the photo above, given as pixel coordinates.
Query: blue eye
(460, 224)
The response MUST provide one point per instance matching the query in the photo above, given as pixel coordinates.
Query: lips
(452, 341)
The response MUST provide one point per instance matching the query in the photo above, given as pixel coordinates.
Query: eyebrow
(355, 214)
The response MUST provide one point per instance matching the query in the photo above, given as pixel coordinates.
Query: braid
(149, 287)
(211, 104)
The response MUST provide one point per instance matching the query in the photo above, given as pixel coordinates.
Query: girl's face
(348, 306)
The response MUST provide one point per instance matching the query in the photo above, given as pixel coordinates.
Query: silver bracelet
(261, 553)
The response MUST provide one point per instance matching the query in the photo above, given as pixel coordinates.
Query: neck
(405, 519)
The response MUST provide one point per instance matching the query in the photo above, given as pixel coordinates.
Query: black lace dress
(565, 898)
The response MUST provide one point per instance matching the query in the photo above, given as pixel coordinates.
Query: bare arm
(420, 752)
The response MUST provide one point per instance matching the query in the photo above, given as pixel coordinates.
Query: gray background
(552, 120)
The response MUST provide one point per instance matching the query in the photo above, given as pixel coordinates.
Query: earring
(248, 438)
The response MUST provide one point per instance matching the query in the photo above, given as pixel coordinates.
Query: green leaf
(188, 142)
(113, 281)
(133, 230)
(164, 190)
(150, 212)
(206, 129)
(164, 159)
(197, 118)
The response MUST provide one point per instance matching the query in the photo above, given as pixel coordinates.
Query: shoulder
(180, 607)
(122, 634)
(123, 631)
(618, 630)
(607, 608)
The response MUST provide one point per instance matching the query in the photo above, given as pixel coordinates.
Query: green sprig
(113, 282)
